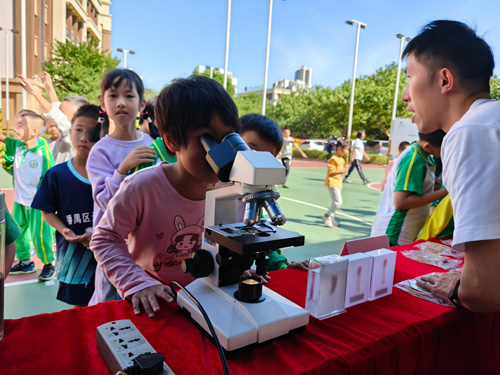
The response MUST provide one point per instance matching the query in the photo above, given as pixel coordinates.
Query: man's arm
(479, 289)
(406, 200)
(28, 87)
(47, 81)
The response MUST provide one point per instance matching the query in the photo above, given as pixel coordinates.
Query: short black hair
(341, 143)
(454, 45)
(435, 138)
(114, 78)
(402, 146)
(93, 112)
(192, 103)
(265, 128)
(87, 110)
(360, 133)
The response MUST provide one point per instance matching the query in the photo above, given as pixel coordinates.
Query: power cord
(145, 364)
(207, 319)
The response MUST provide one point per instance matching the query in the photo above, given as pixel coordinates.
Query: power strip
(119, 342)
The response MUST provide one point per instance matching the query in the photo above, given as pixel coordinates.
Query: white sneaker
(335, 223)
(327, 220)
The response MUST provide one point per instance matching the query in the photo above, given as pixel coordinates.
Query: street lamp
(395, 103)
(7, 94)
(226, 56)
(264, 93)
(125, 52)
(360, 25)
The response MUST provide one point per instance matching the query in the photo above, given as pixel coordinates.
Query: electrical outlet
(119, 342)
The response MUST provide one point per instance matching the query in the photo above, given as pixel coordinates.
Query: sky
(171, 37)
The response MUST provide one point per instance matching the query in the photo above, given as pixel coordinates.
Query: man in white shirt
(449, 68)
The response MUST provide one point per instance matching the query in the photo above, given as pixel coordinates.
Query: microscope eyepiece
(221, 155)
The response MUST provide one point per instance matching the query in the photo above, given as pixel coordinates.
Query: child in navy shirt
(65, 199)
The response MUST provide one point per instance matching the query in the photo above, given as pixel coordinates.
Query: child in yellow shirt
(336, 167)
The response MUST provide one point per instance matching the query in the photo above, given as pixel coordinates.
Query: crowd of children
(114, 237)
(122, 229)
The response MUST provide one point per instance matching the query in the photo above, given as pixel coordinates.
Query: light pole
(7, 93)
(395, 103)
(360, 25)
(264, 93)
(396, 90)
(226, 56)
(125, 52)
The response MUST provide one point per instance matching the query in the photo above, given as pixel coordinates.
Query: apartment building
(29, 31)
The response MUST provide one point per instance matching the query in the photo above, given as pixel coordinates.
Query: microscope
(242, 310)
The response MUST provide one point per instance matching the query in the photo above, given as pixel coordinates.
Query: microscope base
(239, 324)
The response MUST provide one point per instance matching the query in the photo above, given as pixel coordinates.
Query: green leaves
(78, 69)
(495, 87)
(324, 112)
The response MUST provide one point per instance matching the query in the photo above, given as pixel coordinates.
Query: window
(46, 14)
(35, 7)
(35, 46)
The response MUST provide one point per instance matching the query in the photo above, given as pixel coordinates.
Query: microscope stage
(245, 240)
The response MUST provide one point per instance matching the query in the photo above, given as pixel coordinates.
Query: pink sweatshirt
(146, 231)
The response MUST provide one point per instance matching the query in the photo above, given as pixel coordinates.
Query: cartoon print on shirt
(183, 243)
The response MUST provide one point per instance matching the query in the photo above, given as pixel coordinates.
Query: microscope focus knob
(201, 264)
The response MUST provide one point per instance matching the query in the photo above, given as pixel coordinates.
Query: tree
(219, 77)
(495, 87)
(324, 112)
(251, 103)
(150, 93)
(78, 69)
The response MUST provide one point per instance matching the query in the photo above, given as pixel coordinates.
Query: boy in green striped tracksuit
(409, 191)
(31, 160)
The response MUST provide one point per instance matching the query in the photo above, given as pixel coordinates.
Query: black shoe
(48, 272)
(366, 181)
(23, 268)
(284, 186)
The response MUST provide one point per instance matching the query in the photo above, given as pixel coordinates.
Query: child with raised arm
(111, 159)
(156, 219)
(31, 159)
(333, 181)
(65, 199)
(60, 113)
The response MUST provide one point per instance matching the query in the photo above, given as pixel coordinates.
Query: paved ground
(303, 203)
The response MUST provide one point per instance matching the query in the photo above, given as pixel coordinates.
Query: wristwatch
(453, 293)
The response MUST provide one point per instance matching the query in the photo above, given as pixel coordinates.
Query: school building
(29, 28)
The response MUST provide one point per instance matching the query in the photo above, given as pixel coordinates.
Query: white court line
(326, 208)
(21, 282)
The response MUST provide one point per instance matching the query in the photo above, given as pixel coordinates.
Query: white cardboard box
(384, 264)
(359, 274)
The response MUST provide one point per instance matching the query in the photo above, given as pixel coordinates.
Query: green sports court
(303, 203)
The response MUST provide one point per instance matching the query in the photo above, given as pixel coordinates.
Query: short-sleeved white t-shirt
(471, 174)
(358, 148)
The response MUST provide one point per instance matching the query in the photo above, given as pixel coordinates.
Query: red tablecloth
(397, 334)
